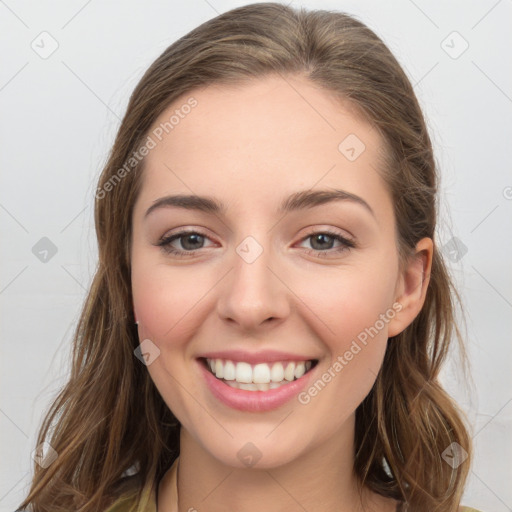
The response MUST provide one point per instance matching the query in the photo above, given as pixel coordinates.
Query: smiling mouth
(257, 377)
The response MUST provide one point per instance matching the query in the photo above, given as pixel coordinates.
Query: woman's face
(276, 273)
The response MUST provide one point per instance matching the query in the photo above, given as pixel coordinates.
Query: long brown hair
(110, 417)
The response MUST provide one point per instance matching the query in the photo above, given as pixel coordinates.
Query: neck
(319, 480)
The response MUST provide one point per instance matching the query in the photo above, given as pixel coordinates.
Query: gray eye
(321, 241)
(191, 241)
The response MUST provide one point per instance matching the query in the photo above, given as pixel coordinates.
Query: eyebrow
(301, 200)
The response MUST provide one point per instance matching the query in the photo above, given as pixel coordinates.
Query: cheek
(166, 308)
(170, 302)
(349, 300)
(348, 310)
(160, 302)
(352, 309)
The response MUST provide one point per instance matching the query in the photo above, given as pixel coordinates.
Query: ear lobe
(412, 287)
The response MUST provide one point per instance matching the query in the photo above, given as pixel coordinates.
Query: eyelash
(347, 244)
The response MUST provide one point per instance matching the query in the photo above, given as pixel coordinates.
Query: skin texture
(251, 146)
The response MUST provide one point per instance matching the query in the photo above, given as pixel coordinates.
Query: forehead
(260, 137)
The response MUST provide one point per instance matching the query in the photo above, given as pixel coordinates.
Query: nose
(253, 294)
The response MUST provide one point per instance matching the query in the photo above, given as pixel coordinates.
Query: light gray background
(58, 120)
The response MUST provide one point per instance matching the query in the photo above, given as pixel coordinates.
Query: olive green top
(125, 503)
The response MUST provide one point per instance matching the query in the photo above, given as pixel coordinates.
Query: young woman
(270, 311)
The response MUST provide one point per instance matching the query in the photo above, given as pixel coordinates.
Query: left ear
(412, 287)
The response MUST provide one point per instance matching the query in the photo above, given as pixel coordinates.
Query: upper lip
(267, 356)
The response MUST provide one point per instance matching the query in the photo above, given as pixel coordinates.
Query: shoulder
(127, 499)
(468, 509)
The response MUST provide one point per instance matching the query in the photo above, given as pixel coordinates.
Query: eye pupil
(322, 238)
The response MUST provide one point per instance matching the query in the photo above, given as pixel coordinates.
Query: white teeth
(248, 387)
(255, 387)
(277, 372)
(229, 370)
(261, 376)
(243, 373)
(289, 371)
(219, 369)
(300, 370)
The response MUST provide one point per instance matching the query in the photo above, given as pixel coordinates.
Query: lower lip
(253, 401)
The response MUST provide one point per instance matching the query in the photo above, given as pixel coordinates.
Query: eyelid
(169, 237)
(330, 231)
(347, 242)
(185, 231)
